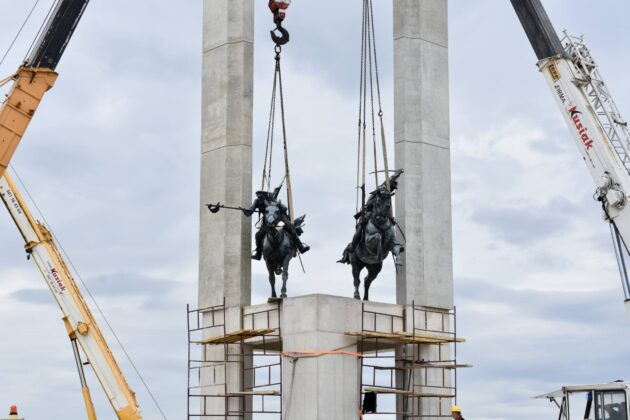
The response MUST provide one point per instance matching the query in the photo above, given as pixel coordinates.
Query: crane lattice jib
(594, 88)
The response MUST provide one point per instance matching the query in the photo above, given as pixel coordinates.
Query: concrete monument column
(421, 106)
(423, 201)
(226, 177)
(226, 151)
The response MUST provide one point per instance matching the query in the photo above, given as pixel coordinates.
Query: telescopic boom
(36, 76)
(593, 119)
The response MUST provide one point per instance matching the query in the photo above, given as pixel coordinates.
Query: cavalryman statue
(264, 199)
(364, 214)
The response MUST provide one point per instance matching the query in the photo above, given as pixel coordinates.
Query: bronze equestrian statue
(263, 198)
(277, 240)
(374, 238)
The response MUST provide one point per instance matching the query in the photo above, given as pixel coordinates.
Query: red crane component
(279, 9)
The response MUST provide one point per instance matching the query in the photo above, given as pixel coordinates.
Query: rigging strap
(369, 81)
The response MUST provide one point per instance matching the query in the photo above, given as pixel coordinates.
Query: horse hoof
(283, 296)
(357, 296)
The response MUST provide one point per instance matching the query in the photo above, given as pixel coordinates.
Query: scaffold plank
(236, 336)
(405, 337)
(383, 390)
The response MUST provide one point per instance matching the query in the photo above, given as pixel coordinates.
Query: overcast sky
(112, 160)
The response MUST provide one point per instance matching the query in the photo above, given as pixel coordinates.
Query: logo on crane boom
(575, 117)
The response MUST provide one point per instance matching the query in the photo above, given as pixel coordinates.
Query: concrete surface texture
(421, 105)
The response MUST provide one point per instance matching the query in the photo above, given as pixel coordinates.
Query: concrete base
(325, 387)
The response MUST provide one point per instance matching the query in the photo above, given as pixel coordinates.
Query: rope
(369, 43)
(314, 353)
(41, 28)
(380, 106)
(361, 81)
(89, 292)
(270, 132)
(369, 73)
(28, 17)
(287, 172)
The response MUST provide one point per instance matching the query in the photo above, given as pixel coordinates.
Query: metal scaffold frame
(392, 346)
(255, 347)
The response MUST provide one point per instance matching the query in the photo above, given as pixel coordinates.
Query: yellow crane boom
(78, 319)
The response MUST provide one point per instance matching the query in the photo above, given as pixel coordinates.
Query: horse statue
(375, 237)
(278, 247)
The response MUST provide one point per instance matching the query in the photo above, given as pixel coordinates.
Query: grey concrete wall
(226, 151)
(421, 105)
(327, 387)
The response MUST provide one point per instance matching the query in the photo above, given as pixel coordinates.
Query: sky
(112, 161)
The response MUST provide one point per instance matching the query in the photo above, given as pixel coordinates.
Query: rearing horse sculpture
(374, 239)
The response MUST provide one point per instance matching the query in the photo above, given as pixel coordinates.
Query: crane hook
(284, 35)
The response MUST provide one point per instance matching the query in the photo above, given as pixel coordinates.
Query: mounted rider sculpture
(278, 239)
(374, 238)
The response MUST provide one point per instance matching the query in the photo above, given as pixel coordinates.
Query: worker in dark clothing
(456, 412)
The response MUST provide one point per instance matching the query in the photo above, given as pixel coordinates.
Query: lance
(214, 208)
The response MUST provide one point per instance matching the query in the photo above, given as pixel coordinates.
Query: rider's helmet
(263, 194)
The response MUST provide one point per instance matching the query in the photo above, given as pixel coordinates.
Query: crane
(594, 121)
(32, 80)
(36, 76)
(77, 317)
(603, 139)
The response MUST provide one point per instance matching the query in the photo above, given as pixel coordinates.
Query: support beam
(423, 202)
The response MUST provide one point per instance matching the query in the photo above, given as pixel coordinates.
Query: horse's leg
(272, 279)
(356, 273)
(285, 275)
(373, 271)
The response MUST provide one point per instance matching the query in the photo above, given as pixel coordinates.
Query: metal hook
(280, 40)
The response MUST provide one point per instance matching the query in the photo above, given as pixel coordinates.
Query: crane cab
(594, 402)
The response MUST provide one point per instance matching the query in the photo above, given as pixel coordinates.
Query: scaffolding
(411, 354)
(242, 343)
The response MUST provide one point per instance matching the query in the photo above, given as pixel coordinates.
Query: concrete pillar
(422, 135)
(421, 105)
(226, 177)
(326, 387)
(226, 151)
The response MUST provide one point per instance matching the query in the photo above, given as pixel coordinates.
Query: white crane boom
(593, 119)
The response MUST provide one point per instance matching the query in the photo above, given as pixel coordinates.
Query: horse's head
(272, 213)
(382, 206)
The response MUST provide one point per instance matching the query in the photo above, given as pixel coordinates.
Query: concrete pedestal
(325, 387)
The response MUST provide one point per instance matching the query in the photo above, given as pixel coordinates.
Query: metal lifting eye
(284, 35)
